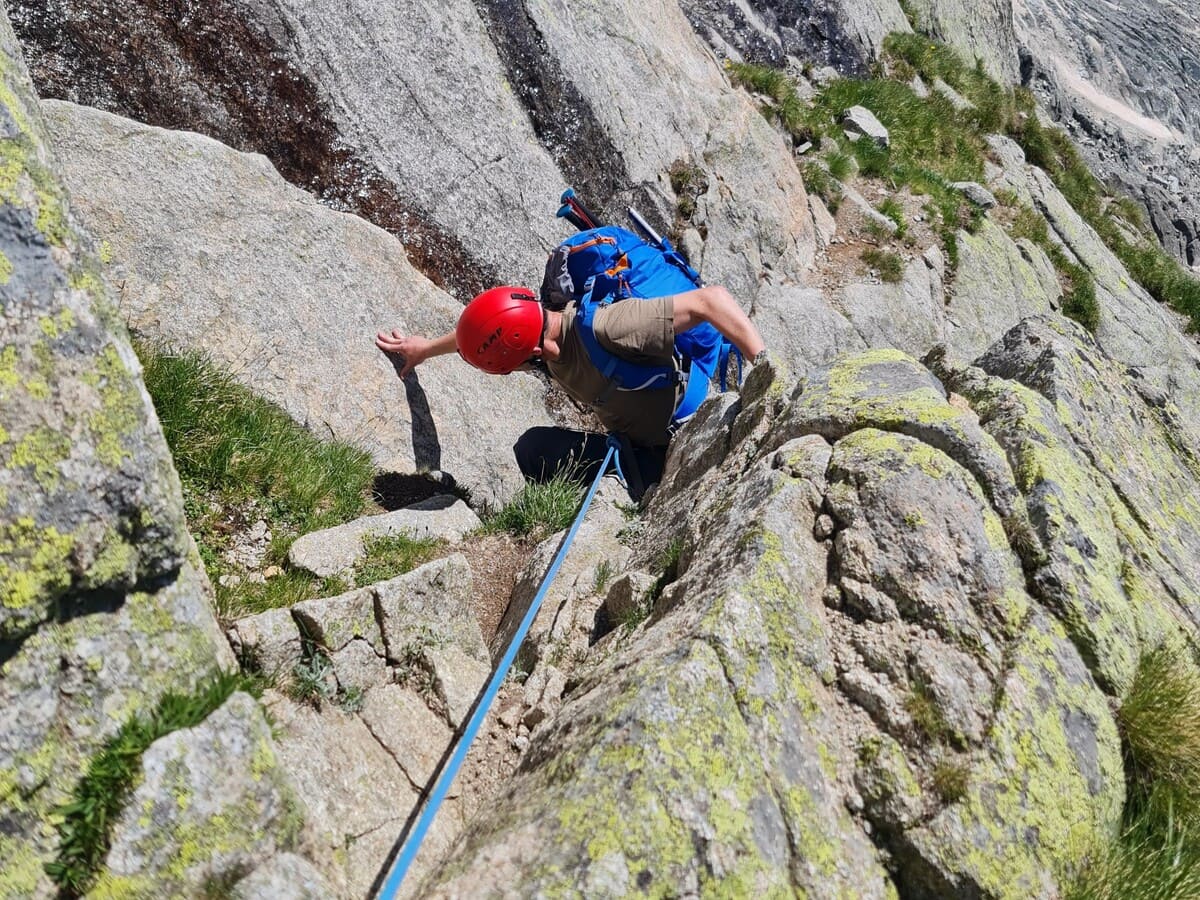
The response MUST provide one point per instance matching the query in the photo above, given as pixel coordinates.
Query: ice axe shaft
(644, 227)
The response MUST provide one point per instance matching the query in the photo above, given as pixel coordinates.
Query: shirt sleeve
(642, 331)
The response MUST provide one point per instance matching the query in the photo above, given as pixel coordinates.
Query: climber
(507, 328)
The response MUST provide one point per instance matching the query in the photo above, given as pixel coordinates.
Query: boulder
(976, 193)
(332, 551)
(430, 605)
(194, 228)
(998, 283)
(283, 877)
(103, 604)
(267, 642)
(860, 122)
(213, 802)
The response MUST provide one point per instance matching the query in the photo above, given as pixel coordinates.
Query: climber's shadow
(427, 449)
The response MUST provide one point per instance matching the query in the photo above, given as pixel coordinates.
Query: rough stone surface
(283, 877)
(195, 228)
(566, 621)
(212, 800)
(403, 723)
(103, 607)
(978, 29)
(333, 551)
(1134, 329)
(627, 595)
(431, 604)
(949, 531)
(1121, 79)
(860, 122)
(268, 642)
(847, 35)
(976, 193)
(457, 679)
(998, 283)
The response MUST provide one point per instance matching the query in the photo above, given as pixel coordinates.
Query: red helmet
(499, 329)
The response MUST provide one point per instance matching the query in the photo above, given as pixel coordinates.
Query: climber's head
(500, 329)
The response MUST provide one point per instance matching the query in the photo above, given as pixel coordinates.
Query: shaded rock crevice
(208, 67)
(561, 116)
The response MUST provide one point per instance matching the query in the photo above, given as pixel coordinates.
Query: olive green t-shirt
(640, 331)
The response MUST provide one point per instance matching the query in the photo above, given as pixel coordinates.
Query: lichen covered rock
(213, 801)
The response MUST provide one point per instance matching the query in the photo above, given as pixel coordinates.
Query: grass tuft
(893, 210)
(1160, 722)
(889, 265)
(539, 510)
(85, 823)
(392, 555)
(950, 780)
(1157, 854)
(240, 458)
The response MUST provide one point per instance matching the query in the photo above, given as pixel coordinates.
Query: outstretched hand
(413, 349)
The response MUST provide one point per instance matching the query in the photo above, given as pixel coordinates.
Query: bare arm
(413, 348)
(715, 305)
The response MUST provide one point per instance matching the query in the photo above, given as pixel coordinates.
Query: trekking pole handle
(644, 227)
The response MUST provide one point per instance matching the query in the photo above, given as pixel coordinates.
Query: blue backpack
(602, 266)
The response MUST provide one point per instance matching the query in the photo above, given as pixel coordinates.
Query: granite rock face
(215, 251)
(103, 605)
(1123, 81)
(878, 583)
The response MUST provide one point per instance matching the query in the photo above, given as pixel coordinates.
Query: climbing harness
(449, 770)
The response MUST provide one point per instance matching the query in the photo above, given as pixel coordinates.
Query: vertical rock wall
(103, 605)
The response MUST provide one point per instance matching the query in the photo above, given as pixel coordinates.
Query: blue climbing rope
(413, 844)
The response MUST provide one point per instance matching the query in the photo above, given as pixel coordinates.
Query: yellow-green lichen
(33, 564)
(116, 563)
(1030, 802)
(691, 751)
(41, 450)
(120, 413)
(6, 269)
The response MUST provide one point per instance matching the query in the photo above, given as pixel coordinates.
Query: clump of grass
(236, 452)
(666, 564)
(1160, 723)
(1157, 854)
(287, 589)
(1150, 860)
(689, 182)
(950, 780)
(893, 210)
(926, 714)
(841, 164)
(604, 574)
(819, 180)
(785, 105)
(889, 265)
(84, 826)
(539, 510)
(390, 555)
(229, 441)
